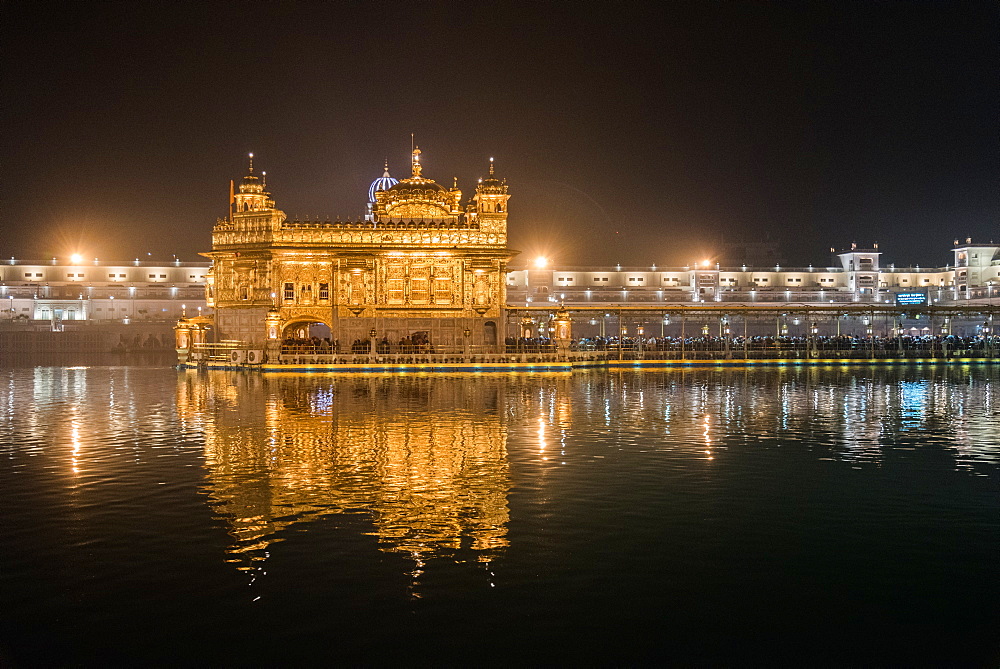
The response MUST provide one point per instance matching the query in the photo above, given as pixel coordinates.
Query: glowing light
(705, 263)
(76, 258)
(541, 262)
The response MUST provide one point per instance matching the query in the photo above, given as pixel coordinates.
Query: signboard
(911, 299)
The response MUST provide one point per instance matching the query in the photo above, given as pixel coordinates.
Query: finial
(491, 165)
(251, 163)
(263, 179)
(416, 162)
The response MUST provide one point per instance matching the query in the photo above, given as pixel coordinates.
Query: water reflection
(852, 414)
(424, 458)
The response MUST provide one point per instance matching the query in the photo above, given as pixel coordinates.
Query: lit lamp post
(813, 331)
(466, 333)
(726, 331)
(272, 328)
(182, 339)
(563, 330)
(371, 338)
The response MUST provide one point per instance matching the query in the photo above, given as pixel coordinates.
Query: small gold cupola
(252, 194)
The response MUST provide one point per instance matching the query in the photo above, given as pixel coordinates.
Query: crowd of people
(772, 343)
(419, 342)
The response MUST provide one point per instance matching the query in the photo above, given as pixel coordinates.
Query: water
(816, 516)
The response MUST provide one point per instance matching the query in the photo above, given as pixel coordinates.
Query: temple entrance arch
(308, 330)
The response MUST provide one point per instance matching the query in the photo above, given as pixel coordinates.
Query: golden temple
(419, 264)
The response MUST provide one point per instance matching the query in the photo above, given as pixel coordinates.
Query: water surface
(823, 516)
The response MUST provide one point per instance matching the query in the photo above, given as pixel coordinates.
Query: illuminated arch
(293, 326)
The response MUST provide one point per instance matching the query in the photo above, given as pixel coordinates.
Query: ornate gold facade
(420, 261)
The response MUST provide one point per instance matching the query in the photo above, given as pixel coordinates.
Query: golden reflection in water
(75, 452)
(425, 458)
(707, 425)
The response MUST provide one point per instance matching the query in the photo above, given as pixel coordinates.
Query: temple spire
(251, 163)
(416, 162)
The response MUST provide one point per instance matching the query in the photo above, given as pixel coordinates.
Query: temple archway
(306, 328)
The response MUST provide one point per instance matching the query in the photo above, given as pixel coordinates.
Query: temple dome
(384, 182)
(417, 186)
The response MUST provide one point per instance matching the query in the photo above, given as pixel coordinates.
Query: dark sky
(629, 132)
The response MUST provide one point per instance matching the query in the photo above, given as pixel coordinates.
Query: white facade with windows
(59, 291)
(860, 277)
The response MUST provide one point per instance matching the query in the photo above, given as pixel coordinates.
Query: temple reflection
(425, 458)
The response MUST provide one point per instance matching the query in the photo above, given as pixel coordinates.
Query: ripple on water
(356, 503)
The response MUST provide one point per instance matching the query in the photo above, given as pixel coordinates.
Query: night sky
(629, 133)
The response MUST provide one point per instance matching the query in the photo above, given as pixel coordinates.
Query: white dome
(384, 182)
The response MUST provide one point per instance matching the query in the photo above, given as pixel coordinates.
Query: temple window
(289, 292)
(324, 291)
(420, 285)
(395, 291)
(442, 290)
(357, 287)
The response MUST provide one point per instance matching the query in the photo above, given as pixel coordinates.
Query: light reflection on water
(426, 459)
(569, 499)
